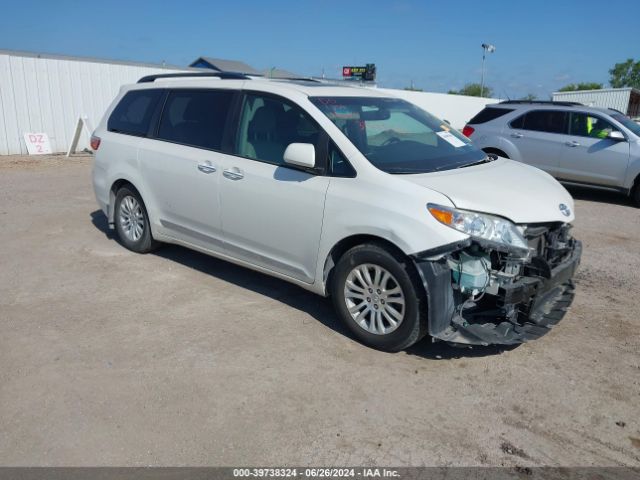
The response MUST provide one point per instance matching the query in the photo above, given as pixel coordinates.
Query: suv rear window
(195, 117)
(133, 114)
(489, 114)
(550, 121)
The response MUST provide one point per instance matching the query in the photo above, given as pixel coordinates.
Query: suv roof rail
(222, 75)
(542, 102)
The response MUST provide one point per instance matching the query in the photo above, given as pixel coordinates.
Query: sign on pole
(37, 143)
(367, 72)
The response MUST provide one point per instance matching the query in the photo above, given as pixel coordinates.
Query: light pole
(486, 47)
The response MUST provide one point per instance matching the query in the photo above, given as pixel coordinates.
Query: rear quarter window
(132, 116)
(196, 117)
(489, 114)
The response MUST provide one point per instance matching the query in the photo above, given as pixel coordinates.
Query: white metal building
(41, 93)
(47, 93)
(456, 109)
(625, 100)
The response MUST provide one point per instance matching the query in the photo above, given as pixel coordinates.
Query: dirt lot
(175, 358)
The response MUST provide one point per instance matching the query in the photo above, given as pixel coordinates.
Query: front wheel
(379, 297)
(635, 194)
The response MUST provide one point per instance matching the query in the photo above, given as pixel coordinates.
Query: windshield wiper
(487, 159)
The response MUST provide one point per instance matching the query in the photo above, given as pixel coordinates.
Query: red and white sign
(37, 143)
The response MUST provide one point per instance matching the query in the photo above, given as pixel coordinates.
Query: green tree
(529, 96)
(473, 90)
(625, 74)
(572, 87)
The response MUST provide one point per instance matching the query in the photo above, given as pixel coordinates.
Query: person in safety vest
(597, 128)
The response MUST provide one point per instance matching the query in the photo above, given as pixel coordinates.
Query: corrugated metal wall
(49, 94)
(617, 98)
(457, 109)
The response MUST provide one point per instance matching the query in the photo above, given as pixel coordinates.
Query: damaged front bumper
(524, 298)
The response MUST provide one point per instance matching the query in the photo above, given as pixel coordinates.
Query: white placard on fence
(37, 143)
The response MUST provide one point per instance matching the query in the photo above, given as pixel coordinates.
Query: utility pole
(486, 47)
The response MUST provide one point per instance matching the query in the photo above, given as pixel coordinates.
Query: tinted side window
(133, 114)
(338, 165)
(518, 122)
(195, 117)
(268, 125)
(489, 114)
(546, 121)
(585, 125)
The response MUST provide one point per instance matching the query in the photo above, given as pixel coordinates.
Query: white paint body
(285, 222)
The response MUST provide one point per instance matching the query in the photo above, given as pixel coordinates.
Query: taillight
(95, 142)
(467, 131)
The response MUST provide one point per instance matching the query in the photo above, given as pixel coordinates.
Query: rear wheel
(132, 222)
(379, 297)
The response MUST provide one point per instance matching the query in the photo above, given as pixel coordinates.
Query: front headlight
(479, 225)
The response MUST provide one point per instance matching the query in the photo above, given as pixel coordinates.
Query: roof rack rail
(541, 102)
(297, 79)
(222, 75)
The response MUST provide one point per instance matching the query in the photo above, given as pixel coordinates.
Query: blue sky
(541, 45)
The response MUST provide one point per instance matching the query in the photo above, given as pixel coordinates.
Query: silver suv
(580, 145)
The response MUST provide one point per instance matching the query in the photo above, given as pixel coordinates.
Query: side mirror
(615, 135)
(300, 154)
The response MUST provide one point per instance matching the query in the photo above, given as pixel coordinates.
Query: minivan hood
(519, 192)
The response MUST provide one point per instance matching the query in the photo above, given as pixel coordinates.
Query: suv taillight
(95, 142)
(467, 131)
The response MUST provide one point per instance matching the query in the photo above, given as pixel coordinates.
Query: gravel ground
(176, 358)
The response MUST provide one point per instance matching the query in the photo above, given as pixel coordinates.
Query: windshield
(627, 122)
(398, 137)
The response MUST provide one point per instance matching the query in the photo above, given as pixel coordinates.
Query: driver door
(588, 158)
(272, 212)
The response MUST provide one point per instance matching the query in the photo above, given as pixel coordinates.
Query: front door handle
(517, 135)
(572, 144)
(233, 173)
(206, 167)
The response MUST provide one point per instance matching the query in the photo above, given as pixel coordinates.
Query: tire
(374, 327)
(635, 194)
(132, 221)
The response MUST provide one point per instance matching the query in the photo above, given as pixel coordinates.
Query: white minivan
(347, 192)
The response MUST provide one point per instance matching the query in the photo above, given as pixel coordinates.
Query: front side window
(132, 115)
(268, 125)
(195, 117)
(584, 125)
(398, 137)
(339, 166)
(549, 121)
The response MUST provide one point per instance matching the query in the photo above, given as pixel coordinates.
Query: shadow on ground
(318, 307)
(601, 196)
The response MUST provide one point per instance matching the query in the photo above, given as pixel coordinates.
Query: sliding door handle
(206, 167)
(233, 173)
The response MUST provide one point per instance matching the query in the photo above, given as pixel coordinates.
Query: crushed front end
(482, 293)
